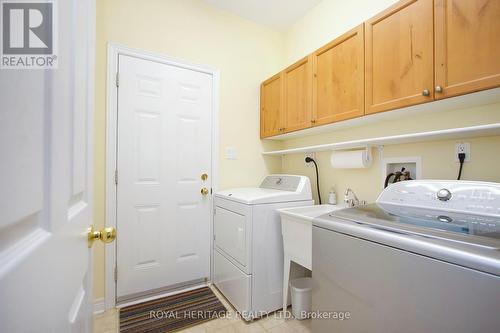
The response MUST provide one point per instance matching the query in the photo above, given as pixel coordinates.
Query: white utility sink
(296, 228)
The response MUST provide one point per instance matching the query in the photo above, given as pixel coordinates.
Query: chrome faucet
(352, 202)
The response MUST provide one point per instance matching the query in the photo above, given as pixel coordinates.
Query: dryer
(248, 246)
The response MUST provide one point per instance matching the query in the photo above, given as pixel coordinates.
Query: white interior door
(164, 147)
(46, 192)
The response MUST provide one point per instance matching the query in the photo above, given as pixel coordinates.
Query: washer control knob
(444, 194)
(444, 219)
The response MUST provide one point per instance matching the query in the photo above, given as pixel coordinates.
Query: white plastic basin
(296, 228)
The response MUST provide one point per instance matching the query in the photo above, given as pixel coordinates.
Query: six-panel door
(297, 95)
(271, 110)
(467, 49)
(163, 149)
(338, 79)
(46, 206)
(399, 56)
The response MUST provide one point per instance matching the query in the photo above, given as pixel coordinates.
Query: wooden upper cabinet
(467, 50)
(297, 95)
(399, 56)
(271, 106)
(338, 79)
(413, 52)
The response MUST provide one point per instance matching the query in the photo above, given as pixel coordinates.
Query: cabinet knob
(438, 89)
(426, 92)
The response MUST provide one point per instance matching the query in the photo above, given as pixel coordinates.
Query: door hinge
(116, 274)
(116, 177)
(117, 79)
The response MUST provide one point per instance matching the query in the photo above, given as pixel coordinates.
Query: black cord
(309, 160)
(461, 158)
(397, 177)
(386, 183)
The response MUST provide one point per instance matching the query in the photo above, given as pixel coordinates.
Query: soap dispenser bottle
(332, 196)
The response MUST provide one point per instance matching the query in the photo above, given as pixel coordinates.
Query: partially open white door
(164, 176)
(46, 178)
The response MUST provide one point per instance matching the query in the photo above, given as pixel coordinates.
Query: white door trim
(114, 50)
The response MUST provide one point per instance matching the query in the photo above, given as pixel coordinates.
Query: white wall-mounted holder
(393, 164)
(445, 134)
(352, 159)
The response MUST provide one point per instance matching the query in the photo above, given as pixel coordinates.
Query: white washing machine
(248, 246)
(424, 258)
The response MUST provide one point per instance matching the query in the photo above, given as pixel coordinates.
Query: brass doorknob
(204, 191)
(204, 176)
(106, 235)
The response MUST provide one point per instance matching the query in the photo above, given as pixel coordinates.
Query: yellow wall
(244, 52)
(328, 20)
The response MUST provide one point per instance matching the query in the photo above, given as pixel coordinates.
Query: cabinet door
(271, 100)
(399, 56)
(467, 46)
(297, 95)
(338, 79)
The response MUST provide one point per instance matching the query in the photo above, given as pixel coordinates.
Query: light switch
(231, 153)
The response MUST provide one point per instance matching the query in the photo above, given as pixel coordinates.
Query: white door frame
(114, 50)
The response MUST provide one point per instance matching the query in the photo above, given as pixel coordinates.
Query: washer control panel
(480, 198)
(283, 182)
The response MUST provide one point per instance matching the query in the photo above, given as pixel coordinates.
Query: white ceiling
(277, 14)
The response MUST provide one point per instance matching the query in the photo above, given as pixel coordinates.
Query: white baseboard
(99, 305)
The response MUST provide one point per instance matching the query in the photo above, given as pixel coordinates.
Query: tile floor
(107, 322)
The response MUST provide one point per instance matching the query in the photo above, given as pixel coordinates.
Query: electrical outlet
(311, 155)
(462, 147)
